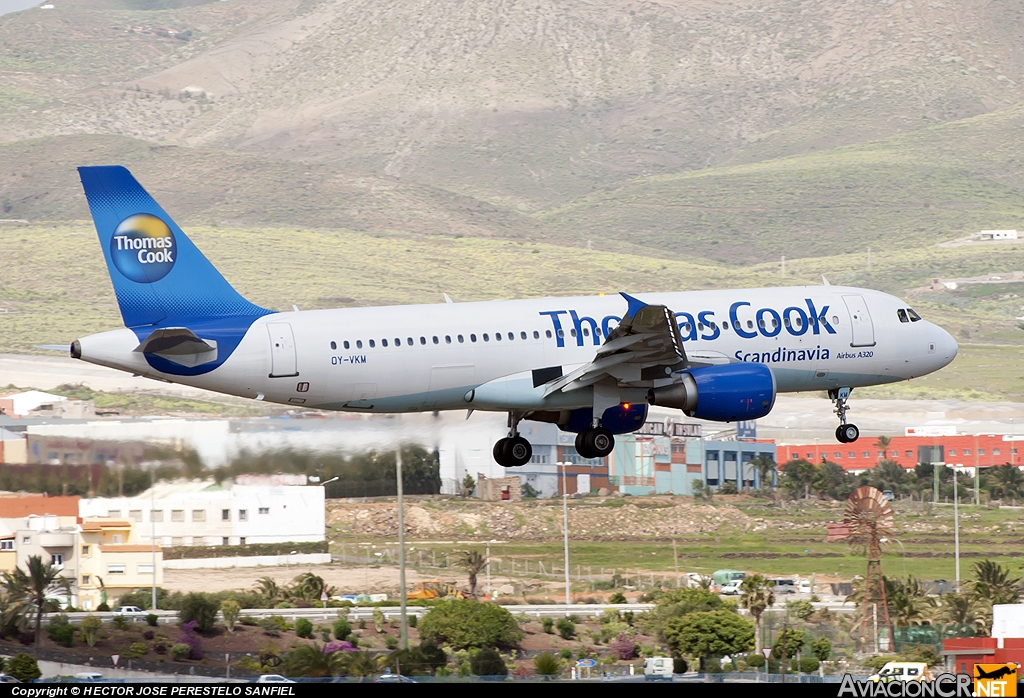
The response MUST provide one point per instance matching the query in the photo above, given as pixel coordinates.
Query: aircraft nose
(945, 346)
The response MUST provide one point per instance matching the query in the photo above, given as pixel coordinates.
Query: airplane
(591, 365)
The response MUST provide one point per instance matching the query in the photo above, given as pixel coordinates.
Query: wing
(645, 347)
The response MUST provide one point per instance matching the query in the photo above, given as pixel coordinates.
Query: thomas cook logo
(143, 248)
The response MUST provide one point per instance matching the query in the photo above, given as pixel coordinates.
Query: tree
(822, 649)
(765, 467)
(268, 590)
(468, 485)
(756, 596)
(90, 627)
(882, 444)
(23, 667)
(709, 632)
(788, 642)
(230, 609)
(907, 601)
(33, 587)
(964, 611)
(993, 583)
(417, 661)
(1008, 480)
(199, 608)
(464, 623)
(474, 563)
(311, 660)
(487, 662)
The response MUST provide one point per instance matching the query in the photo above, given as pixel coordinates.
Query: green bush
(487, 662)
(391, 642)
(23, 667)
(565, 653)
(617, 597)
(248, 620)
(103, 608)
(414, 620)
(566, 628)
(546, 664)
(755, 660)
(180, 651)
(270, 627)
(713, 666)
(138, 649)
(462, 623)
(90, 627)
(200, 608)
(303, 628)
(152, 619)
(809, 665)
(120, 622)
(61, 631)
(229, 610)
(342, 629)
(548, 624)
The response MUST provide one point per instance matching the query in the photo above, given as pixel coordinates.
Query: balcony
(57, 540)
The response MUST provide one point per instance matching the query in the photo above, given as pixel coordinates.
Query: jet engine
(727, 393)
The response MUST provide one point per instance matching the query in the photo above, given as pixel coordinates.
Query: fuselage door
(282, 350)
(860, 321)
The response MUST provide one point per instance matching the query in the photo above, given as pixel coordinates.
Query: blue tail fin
(158, 274)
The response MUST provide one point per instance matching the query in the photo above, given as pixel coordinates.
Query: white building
(208, 513)
(997, 235)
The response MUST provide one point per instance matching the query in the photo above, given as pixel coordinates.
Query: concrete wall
(248, 561)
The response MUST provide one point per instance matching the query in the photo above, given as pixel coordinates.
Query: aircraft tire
(499, 452)
(850, 433)
(599, 441)
(582, 447)
(517, 451)
(840, 437)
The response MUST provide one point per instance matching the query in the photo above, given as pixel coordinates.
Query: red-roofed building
(18, 506)
(961, 450)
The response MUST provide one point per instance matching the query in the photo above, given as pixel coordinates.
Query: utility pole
(935, 484)
(977, 486)
(152, 524)
(401, 551)
(956, 530)
(565, 533)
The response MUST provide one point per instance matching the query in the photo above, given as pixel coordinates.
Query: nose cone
(945, 347)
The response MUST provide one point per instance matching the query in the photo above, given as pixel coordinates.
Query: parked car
(88, 676)
(273, 678)
(804, 586)
(7, 678)
(902, 671)
(129, 611)
(783, 586)
(888, 495)
(658, 669)
(732, 588)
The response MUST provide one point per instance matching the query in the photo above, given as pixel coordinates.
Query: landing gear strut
(513, 450)
(595, 442)
(845, 433)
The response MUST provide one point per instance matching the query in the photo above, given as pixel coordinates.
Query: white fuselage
(430, 357)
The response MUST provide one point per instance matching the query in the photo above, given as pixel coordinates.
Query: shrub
(390, 642)
(248, 620)
(160, 648)
(546, 664)
(200, 609)
(755, 660)
(270, 627)
(362, 624)
(152, 619)
(303, 628)
(713, 666)
(413, 620)
(90, 627)
(103, 608)
(566, 628)
(565, 653)
(120, 622)
(61, 631)
(487, 662)
(229, 609)
(462, 623)
(548, 624)
(180, 651)
(809, 665)
(138, 648)
(148, 634)
(191, 639)
(378, 620)
(617, 597)
(623, 647)
(23, 667)
(342, 629)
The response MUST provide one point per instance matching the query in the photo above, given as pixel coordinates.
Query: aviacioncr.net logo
(143, 248)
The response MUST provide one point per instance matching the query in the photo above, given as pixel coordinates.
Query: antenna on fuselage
(824, 281)
(447, 298)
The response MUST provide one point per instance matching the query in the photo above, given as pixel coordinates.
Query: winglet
(635, 304)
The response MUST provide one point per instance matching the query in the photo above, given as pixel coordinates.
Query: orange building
(960, 450)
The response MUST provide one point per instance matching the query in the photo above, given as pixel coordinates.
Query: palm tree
(963, 611)
(993, 584)
(267, 588)
(765, 467)
(362, 664)
(309, 587)
(31, 589)
(882, 444)
(474, 563)
(311, 660)
(907, 601)
(1008, 479)
(756, 597)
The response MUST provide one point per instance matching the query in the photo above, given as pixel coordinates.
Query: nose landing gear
(513, 450)
(845, 433)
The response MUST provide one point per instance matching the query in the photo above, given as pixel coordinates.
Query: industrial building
(228, 513)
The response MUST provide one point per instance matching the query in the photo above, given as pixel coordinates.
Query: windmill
(867, 521)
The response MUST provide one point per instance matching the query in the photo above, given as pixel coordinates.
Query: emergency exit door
(860, 321)
(282, 350)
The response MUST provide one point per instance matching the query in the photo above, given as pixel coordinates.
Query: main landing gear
(845, 433)
(513, 450)
(595, 442)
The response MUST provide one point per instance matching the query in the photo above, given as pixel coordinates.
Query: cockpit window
(914, 317)
(902, 315)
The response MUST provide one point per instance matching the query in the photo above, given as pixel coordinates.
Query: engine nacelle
(618, 420)
(727, 393)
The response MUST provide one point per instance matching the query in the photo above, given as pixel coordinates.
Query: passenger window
(486, 338)
(700, 326)
(547, 333)
(372, 345)
(750, 324)
(472, 337)
(383, 342)
(497, 336)
(423, 340)
(835, 319)
(447, 339)
(536, 334)
(713, 326)
(561, 333)
(511, 336)
(686, 327)
(785, 321)
(334, 345)
(398, 341)
(572, 332)
(436, 341)
(522, 335)
(461, 340)
(408, 340)
(725, 324)
(586, 331)
(775, 323)
(914, 317)
(902, 315)
(346, 344)
(359, 344)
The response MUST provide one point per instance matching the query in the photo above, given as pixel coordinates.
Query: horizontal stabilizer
(180, 345)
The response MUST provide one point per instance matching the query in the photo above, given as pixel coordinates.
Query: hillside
(677, 125)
